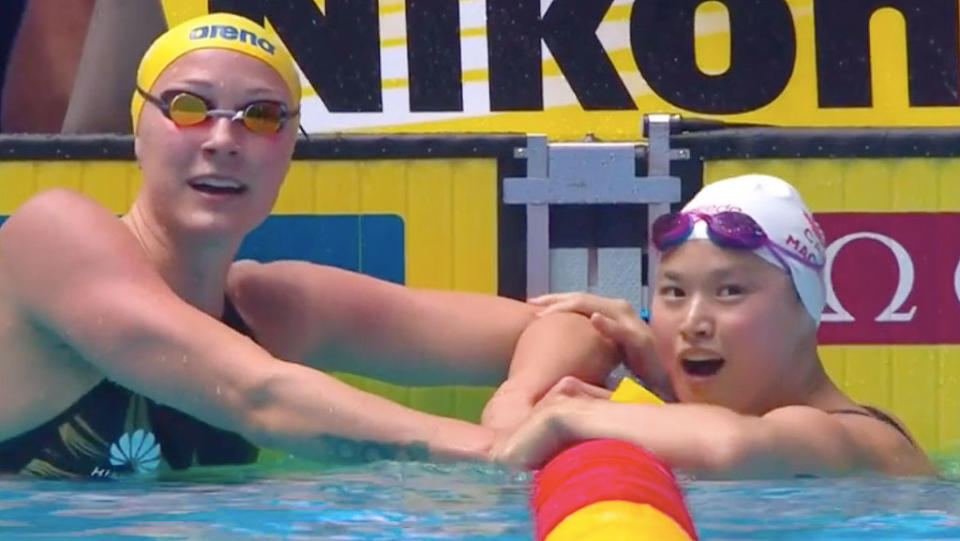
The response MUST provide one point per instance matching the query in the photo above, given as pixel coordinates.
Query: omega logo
(895, 309)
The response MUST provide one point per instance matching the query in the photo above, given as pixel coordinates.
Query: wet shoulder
(885, 439)
(46, 246)
(60, 205)
(61, 221)
(292, 306)
(290, 284)
(269, 305)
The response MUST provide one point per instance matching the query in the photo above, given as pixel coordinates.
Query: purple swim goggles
(728, 229)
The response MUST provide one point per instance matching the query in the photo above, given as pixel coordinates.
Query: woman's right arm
(616, 320)
(75, 270)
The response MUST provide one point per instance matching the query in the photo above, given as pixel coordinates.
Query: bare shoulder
(55, 207)
(892, 450)
(58, 197)
(301, 284)
(874, 443)
(303, 274)
(290, 283)
(63, 257)
(290, 305)
(61, 232)
(807, 421)
(60, 219)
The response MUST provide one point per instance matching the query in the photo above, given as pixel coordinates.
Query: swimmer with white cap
(138, 344)
(732, 340)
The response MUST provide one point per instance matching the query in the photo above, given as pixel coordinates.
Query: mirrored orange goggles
(186, 109)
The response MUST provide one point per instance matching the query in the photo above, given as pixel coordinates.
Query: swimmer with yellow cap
(140, 344)
(214, 31)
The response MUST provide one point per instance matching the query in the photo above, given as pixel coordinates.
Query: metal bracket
(577, 173)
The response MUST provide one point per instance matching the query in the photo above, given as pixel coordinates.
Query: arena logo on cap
(231, 33)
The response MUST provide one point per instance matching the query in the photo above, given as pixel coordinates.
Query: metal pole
(538, 220)
(658, 164)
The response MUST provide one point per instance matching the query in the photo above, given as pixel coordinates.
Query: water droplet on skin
(183, 359)
(218, 390)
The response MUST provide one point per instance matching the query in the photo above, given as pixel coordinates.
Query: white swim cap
(780, 211)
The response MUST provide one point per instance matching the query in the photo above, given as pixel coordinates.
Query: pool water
(390, 500)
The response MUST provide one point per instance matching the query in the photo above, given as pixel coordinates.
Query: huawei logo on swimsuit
(137, 452)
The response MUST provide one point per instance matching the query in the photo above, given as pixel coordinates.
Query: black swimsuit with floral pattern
(112, 430)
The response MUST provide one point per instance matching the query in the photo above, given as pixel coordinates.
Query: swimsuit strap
(879, 415)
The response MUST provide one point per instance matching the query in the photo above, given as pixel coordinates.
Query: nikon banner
(568, 68)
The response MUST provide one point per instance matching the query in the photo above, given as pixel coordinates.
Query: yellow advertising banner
(569, 68)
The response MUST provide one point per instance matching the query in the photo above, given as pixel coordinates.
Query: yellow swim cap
(214, 31)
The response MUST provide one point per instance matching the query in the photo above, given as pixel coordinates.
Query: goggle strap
(777, 248)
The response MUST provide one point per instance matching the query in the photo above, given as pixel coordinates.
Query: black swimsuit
(112, 430)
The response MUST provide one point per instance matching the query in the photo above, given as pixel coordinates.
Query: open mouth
(217, 186)
(702, 367)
